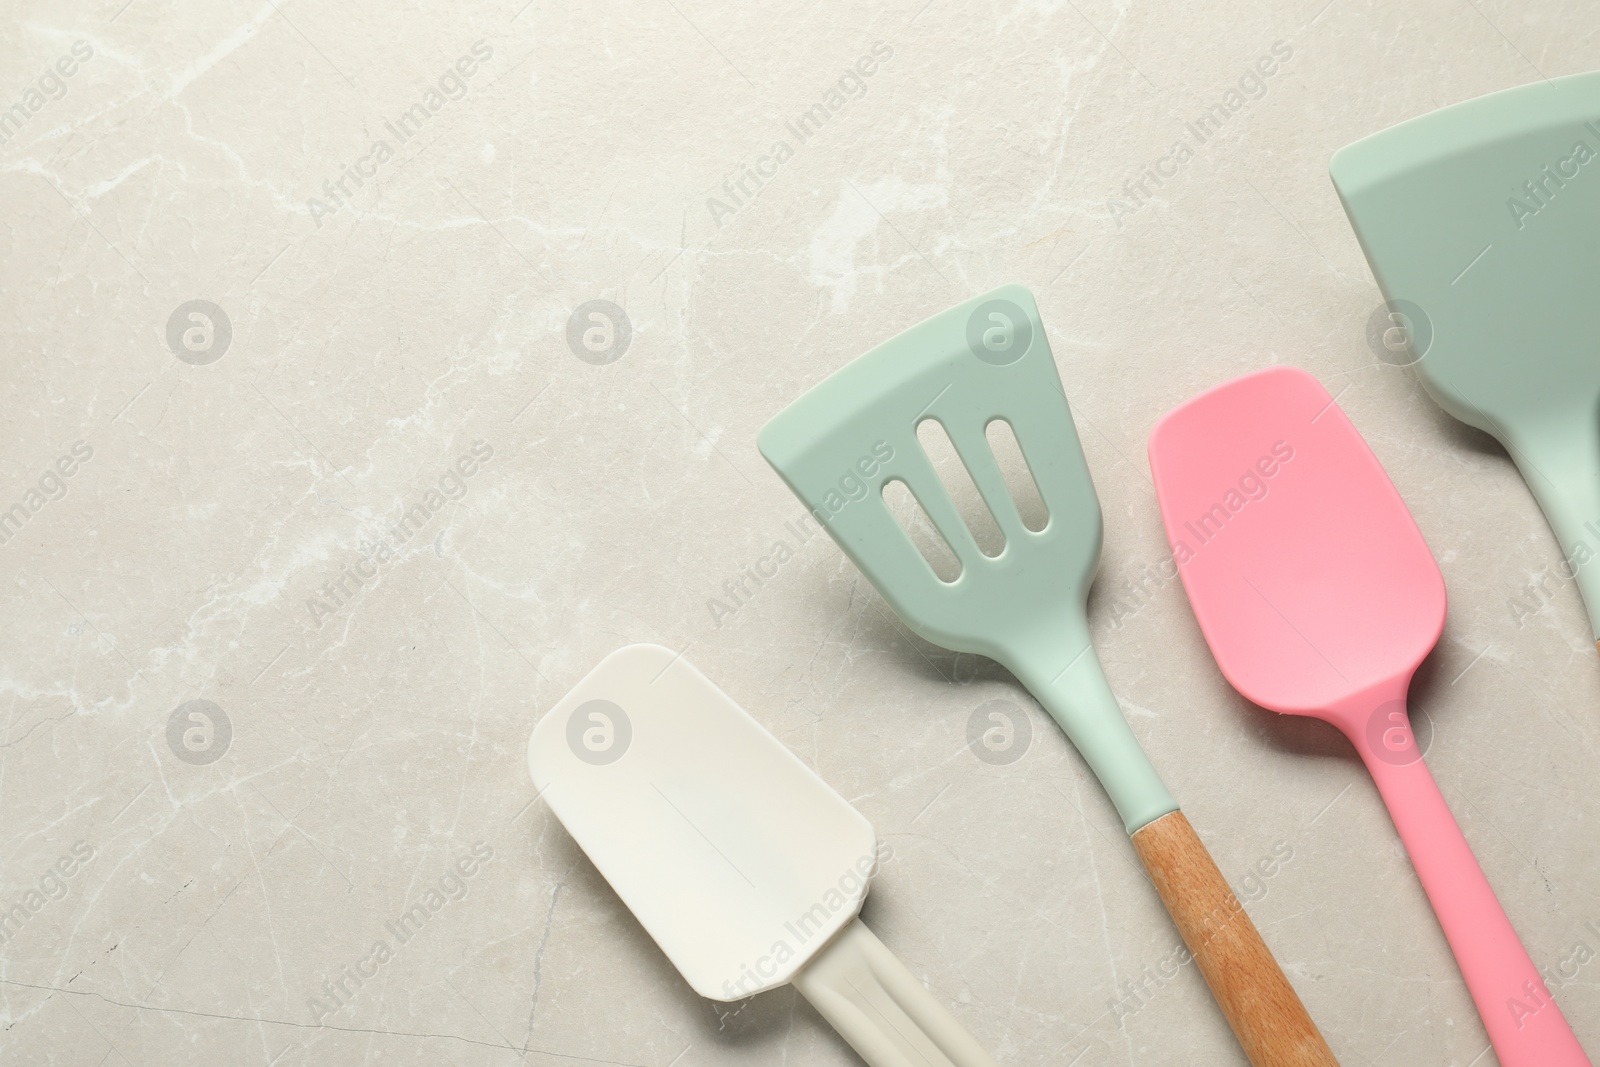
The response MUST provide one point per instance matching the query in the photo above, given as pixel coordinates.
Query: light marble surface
(377, 736)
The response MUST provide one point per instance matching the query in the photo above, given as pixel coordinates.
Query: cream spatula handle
(1249, 986)
(881, 1009)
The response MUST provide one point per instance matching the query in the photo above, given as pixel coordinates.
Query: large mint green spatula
(838, 446)
(1482, 226)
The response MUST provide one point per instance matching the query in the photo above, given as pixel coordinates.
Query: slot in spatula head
(840, 444)
(737, 859)
(1308, 576)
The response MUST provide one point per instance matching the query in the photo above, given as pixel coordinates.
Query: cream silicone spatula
(1318, 596)
(741, 863)
(984, 362)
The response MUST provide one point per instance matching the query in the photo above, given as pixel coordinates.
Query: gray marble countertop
(323, 485)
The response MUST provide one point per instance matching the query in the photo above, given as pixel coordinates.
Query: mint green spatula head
(1482, 226)
(842, 442)
(839, 445)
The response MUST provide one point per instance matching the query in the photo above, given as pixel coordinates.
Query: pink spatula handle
(1525, 1026)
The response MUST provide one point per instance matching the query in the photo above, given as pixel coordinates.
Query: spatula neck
(1560, 461)
(1378, 723)
(1062, 671)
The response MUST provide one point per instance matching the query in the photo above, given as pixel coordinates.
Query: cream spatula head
(741, 863)
(737, 859)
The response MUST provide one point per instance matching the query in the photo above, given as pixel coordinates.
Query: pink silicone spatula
(1318, 596)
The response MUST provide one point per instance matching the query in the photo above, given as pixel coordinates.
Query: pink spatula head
(1312, 583)
(1318, 596)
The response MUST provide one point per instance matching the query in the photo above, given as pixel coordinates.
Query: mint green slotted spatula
(1482, 226)
(840, 444)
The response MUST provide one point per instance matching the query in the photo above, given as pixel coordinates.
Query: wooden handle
(1249, 986)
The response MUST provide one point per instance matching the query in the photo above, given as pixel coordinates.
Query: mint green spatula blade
(1482, 226)
(841, 443)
